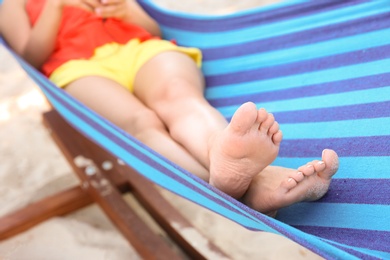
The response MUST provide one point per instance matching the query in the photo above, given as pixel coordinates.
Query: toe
(265, 125)
(244, 117)
(319, 166)
(262, 115)
(298, 176)
(288, 184)
(307, 169)
(331, 162)
(277, 137)
(274, 128)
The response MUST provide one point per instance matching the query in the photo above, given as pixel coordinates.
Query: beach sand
(32, 168)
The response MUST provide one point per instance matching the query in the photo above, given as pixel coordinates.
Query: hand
(88, 5)
(112, 8)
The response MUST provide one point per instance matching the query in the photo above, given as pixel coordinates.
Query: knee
(176, 77)
(174, 89)
(143, 122)
(180, 78)
(179, 91)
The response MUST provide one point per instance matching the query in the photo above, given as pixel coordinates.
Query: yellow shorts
(118, 62)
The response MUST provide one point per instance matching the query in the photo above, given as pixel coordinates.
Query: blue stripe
(337, 129)
(257, 31)
(328, 64)
(217, 23)
(254, 82)
(299, 110)
(269, 58)
(378, 254)
(379, 240)
(309, 37)
(310, 242)
(345, 147)
(360, 111)
(351, 216)
(350, 167)
(376, 191)
(341, 86)
(360, 253)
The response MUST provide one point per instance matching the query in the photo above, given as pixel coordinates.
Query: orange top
(81, 32)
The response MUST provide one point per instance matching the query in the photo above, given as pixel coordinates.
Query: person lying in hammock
(109, 55)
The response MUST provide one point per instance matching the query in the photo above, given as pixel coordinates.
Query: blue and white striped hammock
(323, 69)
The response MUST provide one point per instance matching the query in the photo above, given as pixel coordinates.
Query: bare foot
(248, 144)
(278, 187)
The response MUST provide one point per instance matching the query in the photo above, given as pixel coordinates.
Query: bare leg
(171, 85)
(119, 106)
(277, 187)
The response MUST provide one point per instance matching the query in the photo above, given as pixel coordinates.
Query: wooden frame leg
(105, 185)
(59, 204)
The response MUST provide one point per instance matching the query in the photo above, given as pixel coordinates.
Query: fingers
(88, 5)
(92, 3)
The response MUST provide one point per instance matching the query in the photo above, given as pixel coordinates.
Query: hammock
(323, 69)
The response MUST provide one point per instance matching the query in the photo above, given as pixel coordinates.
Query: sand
(31, 168)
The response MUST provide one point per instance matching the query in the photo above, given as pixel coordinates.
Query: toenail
(320, 162)
(299, 173)
(309, 166)
(290, 179)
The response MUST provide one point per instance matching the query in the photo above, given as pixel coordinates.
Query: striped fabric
(323, 69)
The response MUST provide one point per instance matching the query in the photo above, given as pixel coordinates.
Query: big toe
(244, 117)
(331, 160)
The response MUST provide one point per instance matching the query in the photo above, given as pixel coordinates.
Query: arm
(16, 32)
(129, 11)
(34, 44)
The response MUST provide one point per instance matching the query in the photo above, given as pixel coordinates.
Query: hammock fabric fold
(323, 69)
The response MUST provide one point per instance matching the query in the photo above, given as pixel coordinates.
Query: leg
(118, 105)
(277, 187)
(171, 85)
